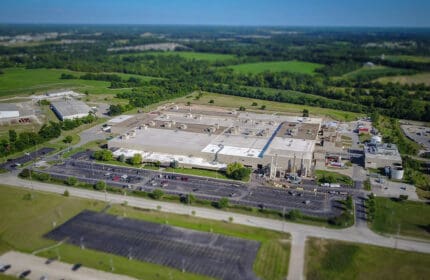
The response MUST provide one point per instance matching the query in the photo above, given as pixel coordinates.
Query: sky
(377, 13)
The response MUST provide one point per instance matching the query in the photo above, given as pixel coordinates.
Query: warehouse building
(8, 111)
(379, 155)
(212, 139)
(68, 109)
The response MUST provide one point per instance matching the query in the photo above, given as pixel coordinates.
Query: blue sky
(414, 13)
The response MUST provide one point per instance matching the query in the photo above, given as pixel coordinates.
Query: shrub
(156, 194)
(66, 193)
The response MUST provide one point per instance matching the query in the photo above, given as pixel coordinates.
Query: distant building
(68, 109)
(8, 111)
(369, 64)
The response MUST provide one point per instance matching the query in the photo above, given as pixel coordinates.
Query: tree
(254, 104)
(174, 164)
(104, 155)
(68, 139)
(237, 171)
(211, 101)
(136, 159)
(13, 136)
(305, 113)
(66, 193)
(222, 203)
(263, 107)
(295, 214)
(100, 185)
(121, 158)
(349, 202)
(156, 194)
(242, 108)
(71, 181)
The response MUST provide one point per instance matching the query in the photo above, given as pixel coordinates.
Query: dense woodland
(339, 50)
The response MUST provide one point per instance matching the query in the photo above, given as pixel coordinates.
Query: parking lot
(26, 158)
(198, 252)
(38, 267)
(309, 198)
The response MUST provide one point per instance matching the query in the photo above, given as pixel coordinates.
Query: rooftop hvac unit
(183, 126)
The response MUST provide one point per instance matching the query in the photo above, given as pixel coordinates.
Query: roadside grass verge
(329, 259)
(409, 218)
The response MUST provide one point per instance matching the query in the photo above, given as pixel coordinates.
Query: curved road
(299, 232)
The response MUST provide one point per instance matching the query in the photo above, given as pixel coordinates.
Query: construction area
(214, 255)
(211, 138)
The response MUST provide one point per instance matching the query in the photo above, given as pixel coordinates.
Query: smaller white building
(8, 111)
(68, 109)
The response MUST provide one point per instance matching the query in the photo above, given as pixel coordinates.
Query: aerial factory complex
(212, 139)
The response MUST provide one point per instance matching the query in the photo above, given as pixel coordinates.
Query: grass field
(408, 217)
(374, 71)
(412, 79)
(230, 101)
(333, 177)
(293, 66)
(211, 57)
(22, 229)
(198, 172)
(411, 58)
(27, 81)
(328, 259)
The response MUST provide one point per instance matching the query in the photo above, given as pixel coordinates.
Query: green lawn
(211, 57)
(409, 217)
(26, 81)
(198, 172)
(293, 66)
(332, 177)
(230, 101)
(329, 259)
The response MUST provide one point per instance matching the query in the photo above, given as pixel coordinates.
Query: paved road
(21, 262)
(299, 232)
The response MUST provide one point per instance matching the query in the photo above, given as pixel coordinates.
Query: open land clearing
(211, 57)
(404, 218)
(412, 58)
(41, 210)
(293, 66)
(412, 79)
(230, 101)
(375, 70)
(328, 259)
(27, 81)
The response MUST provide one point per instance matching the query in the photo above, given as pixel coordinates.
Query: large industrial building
(8, 111)
(211, 138)
(68, 109)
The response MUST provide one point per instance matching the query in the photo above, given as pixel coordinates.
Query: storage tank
(376, 139)
(397, 173)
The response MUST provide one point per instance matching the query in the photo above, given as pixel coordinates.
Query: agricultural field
(376, 71)
(328, 259)
(231, 101)
(211, 57)
(411, 58)
(408, 218)
(27, 81)
(38, 211)
(423, 78)
(293, 66)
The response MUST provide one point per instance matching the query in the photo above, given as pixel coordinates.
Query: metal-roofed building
(8, 111)
(68, 109)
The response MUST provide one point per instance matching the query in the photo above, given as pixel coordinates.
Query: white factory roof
(301, 148)
(71, 108)
(162, 157)
(232, 151)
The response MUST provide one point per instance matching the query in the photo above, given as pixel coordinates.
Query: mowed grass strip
(408, 217)
(293, 66)
(273, 258)
(328, 259)
(231, 101)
